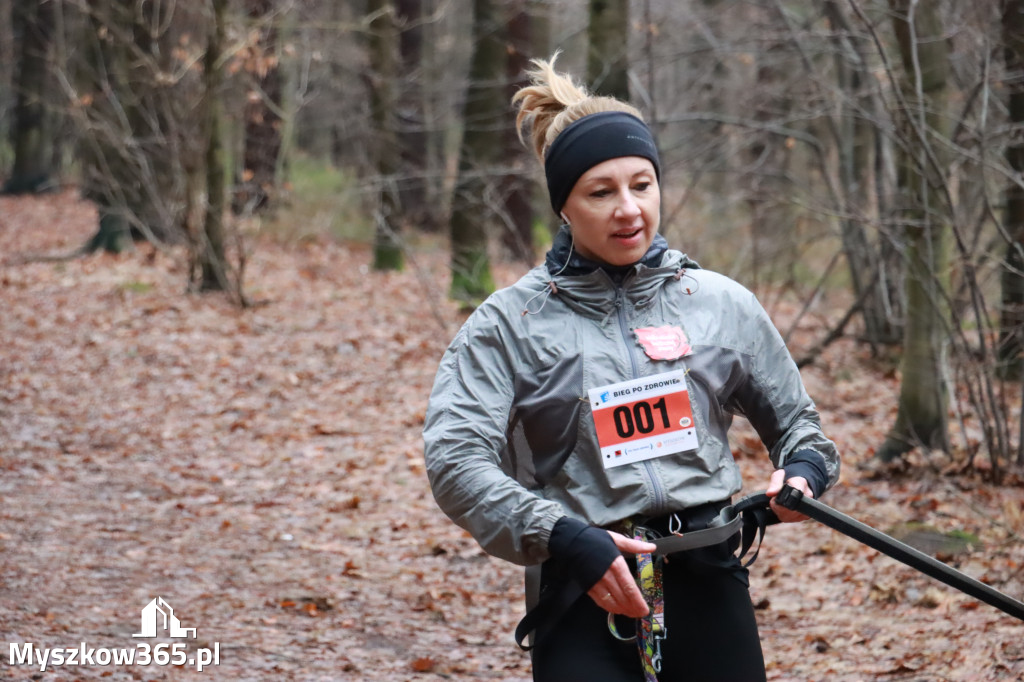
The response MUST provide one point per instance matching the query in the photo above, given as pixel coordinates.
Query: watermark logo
(151, 621)
(158, 620)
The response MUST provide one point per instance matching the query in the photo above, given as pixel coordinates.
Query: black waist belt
(750, 516)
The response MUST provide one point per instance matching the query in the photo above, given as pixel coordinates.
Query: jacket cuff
(810, 465)
(585, 552)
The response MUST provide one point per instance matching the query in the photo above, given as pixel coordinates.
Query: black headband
(590, 141)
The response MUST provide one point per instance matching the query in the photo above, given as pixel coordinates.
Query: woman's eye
(642, 186)
(598, 193)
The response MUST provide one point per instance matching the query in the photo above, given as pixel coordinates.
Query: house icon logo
(152, 621)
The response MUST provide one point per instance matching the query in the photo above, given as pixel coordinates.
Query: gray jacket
(510, 441)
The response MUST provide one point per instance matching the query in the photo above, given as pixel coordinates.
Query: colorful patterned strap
(650, 629)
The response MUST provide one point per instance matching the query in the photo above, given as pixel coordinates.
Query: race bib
(643, 418)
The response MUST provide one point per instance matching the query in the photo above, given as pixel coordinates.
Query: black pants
(712, 632)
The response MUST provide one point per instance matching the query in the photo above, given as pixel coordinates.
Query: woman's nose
(627, 206)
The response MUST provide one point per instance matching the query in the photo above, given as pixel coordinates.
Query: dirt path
(261, 471)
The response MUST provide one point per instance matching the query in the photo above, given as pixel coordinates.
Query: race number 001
(640, 418)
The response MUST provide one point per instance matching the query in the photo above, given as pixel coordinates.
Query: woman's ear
(564, 217)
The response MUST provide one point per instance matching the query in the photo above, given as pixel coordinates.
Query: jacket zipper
(651, 474)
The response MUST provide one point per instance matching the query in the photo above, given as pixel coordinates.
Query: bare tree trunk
(383, 53)
(922, 417)
(417, 211)
(608, 52)
(151, 121)
(106, 177)
(873, 273)
(1011, 346)
(517, 237)
(482, 115)
(262, 142)
(213, 267)
(540, 27)
(33, 124)
(135, 125)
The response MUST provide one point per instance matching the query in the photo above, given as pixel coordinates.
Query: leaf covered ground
(261, 470)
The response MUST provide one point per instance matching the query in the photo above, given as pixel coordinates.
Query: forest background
(237, 235)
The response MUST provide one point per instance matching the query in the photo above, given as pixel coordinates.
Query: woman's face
(614, 210)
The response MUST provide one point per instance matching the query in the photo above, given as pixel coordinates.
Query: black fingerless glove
(811, 466)
(585, 552)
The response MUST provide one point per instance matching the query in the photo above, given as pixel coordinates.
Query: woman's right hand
(617, 591)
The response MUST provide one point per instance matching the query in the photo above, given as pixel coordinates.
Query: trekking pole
(791, 498)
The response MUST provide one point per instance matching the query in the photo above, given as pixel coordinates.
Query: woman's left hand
(617, 591)
(775, 487)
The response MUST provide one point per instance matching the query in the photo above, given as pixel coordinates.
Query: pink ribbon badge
(663, 343)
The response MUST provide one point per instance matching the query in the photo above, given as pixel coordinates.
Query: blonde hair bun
(554, 100)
